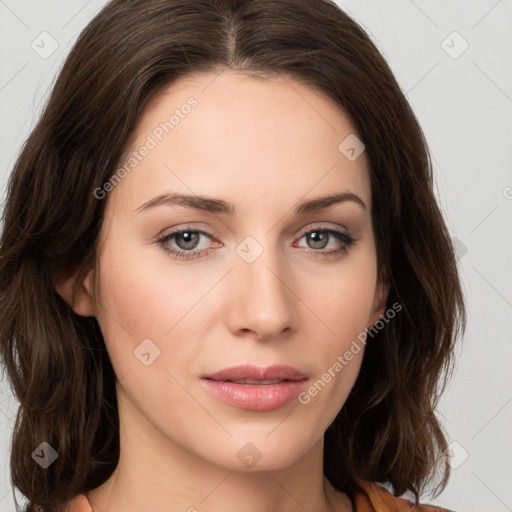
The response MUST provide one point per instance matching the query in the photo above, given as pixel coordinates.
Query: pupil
(190, 239)
(317, 238)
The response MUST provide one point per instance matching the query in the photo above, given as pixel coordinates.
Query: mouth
(253, 381)
(257, 375)
(256, 389)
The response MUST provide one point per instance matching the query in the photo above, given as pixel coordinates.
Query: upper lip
(281, 372)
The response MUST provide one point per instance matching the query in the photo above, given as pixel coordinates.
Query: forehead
(232, 135)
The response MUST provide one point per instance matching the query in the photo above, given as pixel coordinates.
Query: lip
(256, 397)
(257, 373)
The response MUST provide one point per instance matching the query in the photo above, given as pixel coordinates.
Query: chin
(261, 452)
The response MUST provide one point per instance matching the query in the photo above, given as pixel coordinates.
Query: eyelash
(344, 237)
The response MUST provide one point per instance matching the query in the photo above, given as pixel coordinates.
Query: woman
(226, 282)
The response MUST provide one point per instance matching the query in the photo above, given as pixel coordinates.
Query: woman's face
(262, 284)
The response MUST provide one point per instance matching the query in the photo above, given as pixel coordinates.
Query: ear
(78, 292)
(381, 296)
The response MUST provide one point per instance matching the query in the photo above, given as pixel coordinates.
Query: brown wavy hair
(56, 360)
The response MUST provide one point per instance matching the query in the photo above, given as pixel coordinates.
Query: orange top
(378, 500)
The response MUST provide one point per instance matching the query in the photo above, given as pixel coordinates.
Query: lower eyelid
(344, 238)
(332, 232)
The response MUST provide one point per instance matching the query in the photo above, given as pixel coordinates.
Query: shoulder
(378, 499)
(374, 499)
(79, 503)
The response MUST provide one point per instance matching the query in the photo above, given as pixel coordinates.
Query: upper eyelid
(304, 231)
(214, 233)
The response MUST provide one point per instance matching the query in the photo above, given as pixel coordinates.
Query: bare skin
(265, 146)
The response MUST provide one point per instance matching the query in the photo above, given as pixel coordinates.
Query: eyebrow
(213, 205)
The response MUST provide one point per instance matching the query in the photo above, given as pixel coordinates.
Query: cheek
(142, 294)
(338, 355)
(344, 304)
(150, 299)
(134, 304)
(344, 307)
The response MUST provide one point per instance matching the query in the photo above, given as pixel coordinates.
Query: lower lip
(256, 397)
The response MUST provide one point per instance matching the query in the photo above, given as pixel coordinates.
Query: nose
(262, 301)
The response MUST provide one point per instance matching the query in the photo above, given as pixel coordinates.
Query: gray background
(463, 100)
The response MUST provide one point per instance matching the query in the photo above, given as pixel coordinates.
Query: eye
(319, 238)
(187, 240)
